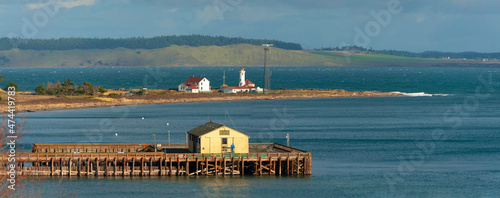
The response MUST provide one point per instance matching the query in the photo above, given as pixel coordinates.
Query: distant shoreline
(32, 103)
(228, 55)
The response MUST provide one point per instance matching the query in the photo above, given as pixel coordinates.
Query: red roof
(194, 79)
(190, 85)
(238, 87)
(247, 82)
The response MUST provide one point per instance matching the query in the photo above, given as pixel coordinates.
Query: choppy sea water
(445, 145)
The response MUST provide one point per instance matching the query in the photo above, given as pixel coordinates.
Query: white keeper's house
(195, 85)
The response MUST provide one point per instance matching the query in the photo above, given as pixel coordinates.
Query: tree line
(426, 54)
(135, 42)
(67, 88)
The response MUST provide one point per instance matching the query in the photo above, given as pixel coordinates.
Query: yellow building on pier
(217, 138)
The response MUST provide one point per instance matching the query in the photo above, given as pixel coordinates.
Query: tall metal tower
(267, 71)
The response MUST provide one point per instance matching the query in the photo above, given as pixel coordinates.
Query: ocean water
(442, 141)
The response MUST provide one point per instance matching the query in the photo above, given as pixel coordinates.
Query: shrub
(102, 90)
(11, 84)
(113, 95)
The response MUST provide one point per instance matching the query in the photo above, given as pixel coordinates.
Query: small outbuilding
(217, 138)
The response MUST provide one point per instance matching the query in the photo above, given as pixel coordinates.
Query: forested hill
(135, 42)
(426, 54)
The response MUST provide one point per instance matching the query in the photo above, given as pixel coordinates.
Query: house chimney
(192, 76)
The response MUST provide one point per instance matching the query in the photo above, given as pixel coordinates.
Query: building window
(223, 132)
(224, 140)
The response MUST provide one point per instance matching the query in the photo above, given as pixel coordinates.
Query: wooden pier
(109, 159)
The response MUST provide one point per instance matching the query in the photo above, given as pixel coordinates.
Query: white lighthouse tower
(242, 77)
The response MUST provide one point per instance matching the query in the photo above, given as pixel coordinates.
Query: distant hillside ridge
(136, 42)
(230, 55)
(492, 56)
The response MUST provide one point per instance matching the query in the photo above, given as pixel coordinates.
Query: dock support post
(224, 168)
(279, 165)
(88, 165)
(97, 169)
(142, 166)
(215, 164)
(166, 165)
(132, 172)
(288, 165)
(178, 167)
(170, 168)
(160, 172)
(51, 166)
(196, 166)
(61, 166)
(79, 167)
(114, 171)
(232, 166)
(206, 165)
(106, 167)
(270, 164)
(298, 166)
(242, 166)
(69, 167)
(187, 167)
(150, 166)
(260, 165)
(124, 166)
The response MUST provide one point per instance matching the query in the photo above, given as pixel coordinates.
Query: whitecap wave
(419, 94)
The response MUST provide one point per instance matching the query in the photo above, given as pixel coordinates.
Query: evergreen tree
(11, 84)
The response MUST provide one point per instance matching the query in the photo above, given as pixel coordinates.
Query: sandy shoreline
(31, 103)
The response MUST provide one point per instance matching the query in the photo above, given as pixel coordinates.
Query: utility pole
(155, 143)
(168, 136)
(288, 140)
(267, 71)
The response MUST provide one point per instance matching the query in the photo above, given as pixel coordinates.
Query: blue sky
(414, 25)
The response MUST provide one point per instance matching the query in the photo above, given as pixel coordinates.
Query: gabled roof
(248, 82)
(203, 129)
(194, 79)
(237, 87)
(190, 85)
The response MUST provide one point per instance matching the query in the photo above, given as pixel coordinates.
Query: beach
(27, 102)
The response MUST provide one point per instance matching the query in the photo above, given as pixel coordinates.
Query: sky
(413, 25)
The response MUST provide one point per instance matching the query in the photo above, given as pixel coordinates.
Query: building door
(224, 145)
